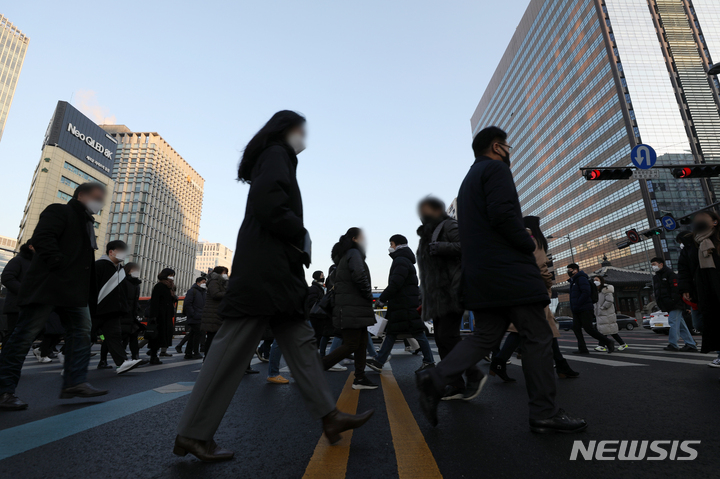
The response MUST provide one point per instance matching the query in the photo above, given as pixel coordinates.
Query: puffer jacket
(605, 311)
(353, 294)
(216, 287)
(402, 294)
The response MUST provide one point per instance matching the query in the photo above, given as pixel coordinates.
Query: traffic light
(696, 171)
(652, 232)
(607, 174)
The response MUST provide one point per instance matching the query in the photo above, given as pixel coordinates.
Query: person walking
(162, 312)
(440, 269)
(501, 285)
(211, 320)
(268, 288)
(194, 305)
(402, 296)
(11, 278)
(111, 306)
(273, 376)
(605, 316)
(61, 279)
(353, 309)
(129, 323)
(666, 287)
(321, 323)
(583, 308)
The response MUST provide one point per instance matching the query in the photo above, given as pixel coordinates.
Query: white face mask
(655, 268)
(597, 283)
(171, 278)
(225, 276)
(135, 274)
(391, 250)
(121, 255)
(94, 206)
(203, 286)
(296, 142)
(682, 246)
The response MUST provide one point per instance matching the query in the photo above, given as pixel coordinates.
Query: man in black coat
(402, 296)
(583, 310)
(11, 278)
(439, 262)
(666, 287)
(61, 278)
(501, 285)
(194, 305)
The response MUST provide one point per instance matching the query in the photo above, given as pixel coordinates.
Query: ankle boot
(337, 422)
(499, 368)
(564, 370)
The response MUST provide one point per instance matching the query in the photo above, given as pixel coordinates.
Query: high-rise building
(8, 248)
(75, 151)
(13, 46)
(584, 81)
(210, 255)
(156, 206)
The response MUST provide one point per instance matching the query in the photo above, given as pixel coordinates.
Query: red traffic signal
(601, 174)
(697, 171)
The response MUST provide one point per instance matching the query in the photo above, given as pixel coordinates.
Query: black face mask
(505, 158)
(571, 273)
(426, 219)
(701, 226)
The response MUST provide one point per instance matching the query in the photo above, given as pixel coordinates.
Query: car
(626, 322)
(659, 322)
(646, 322)
(564, 322)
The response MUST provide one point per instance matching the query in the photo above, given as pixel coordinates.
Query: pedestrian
(162, 312)
(582, 305)
(353, 310)
(402, 296)
(194, 305)
(501, 284)
(440, 268)
(211, 320)
(273, 375)
(111, 306)
(11, 278)
(666, 287)
(605, 316)
(61, 279)
(129, 322)
(498, 364)
(268, 288)
(321, 322)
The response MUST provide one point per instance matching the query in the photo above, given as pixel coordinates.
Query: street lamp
(572, 255)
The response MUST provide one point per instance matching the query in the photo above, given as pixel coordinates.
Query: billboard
(76, 134)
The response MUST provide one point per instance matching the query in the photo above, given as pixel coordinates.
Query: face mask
(135, 274)
(597, 283)
(426, 219)
(505, 157)
(321, 281)
(225, 276)
(94, 206)
(701, 226)
(171, 278)
(391, 250)
(570, 273)
(296, 142)
(655, 268)
(682, 246)
(120, 255)
(203, 286)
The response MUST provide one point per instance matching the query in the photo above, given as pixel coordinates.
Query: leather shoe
(84, 390)
(10, 402)
(429, 396)
(337, 422)
(206, 451)
(560, 422)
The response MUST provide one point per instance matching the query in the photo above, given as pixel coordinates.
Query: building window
(81, 173)
(68, 182)
(64, 196)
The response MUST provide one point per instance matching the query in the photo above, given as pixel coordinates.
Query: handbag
(325, 305)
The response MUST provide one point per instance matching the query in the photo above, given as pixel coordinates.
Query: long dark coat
(216, 289)
(353, 294)
(162, 309)
(62, 271)
(194, 304)
(402, 295)
(499, 268)
(132, 309)
(267, 271)
(703, 284)
(12, 276)
(441, 273)
(321, 324)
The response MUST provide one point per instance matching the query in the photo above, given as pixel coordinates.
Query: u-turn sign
(643, 157)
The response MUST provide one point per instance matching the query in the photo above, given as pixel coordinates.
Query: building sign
(79, 136)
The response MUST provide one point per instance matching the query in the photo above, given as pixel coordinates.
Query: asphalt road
(643, 393)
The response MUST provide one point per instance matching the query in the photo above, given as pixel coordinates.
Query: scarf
(706, 248)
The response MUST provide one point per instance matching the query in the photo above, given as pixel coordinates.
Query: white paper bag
(379, 327)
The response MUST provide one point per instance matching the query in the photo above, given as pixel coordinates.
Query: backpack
(594, 295)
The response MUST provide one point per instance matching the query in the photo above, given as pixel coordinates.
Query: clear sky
(388, 89)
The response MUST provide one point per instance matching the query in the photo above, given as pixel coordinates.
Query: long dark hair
(533, 224)
(602, 282)
(345, 243)
(274, 131)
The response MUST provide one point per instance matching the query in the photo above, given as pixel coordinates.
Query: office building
(584, 81)
(13, 46)
(75, 151)
(210, 255)
(8, 248)
(156, 206)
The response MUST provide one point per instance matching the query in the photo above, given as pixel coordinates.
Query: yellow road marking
(331, 461)
(414, 459)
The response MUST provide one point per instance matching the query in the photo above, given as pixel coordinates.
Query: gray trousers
(537, 362)
(232, 350)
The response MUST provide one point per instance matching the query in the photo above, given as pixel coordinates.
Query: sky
(388, 89)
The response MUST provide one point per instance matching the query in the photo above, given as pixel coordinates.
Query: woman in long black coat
(162, 312)
(267, 287)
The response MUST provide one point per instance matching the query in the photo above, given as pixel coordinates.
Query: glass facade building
(581, 83)
(156, 206)
(13, 46)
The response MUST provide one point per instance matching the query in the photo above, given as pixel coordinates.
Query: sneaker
(409, 349)
(364, 383)
(277, 380)
(671, 347)
(36, 352)
(715, 363)
(689, 349)
(602, 349)
(452, 393)
(127, 365)
(44, 359)
(338, 367)
(103, 365)
(61, 358)
(425, 366)
(622, 347)
(473, 389)
(375, 365)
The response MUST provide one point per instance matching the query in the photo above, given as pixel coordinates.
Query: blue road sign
(669, 222)
(643, 157)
